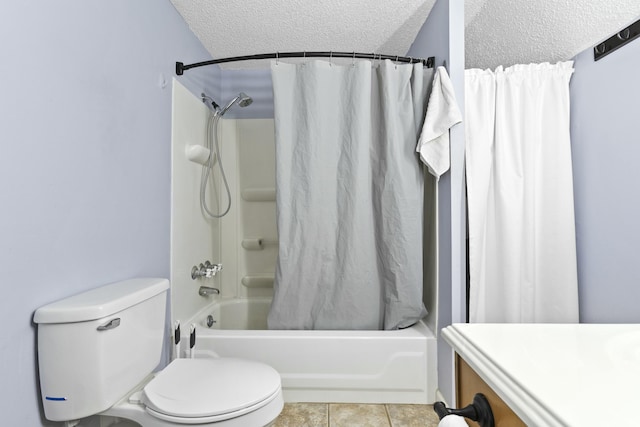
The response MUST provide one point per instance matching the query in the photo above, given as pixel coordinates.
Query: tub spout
(205, 291)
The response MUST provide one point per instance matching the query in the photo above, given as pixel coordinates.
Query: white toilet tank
(96, 346)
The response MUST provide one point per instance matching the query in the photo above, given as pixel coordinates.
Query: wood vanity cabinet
(551, 375)
(469, 383)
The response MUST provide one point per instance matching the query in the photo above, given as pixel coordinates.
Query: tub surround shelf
(257, 243)
(258, 281)
(259, 194)
(555, 375)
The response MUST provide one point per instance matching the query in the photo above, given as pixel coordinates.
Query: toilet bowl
(97, 351)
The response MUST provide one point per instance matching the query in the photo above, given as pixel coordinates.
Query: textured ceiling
(245, 27)
(507, 32)
(498, 32)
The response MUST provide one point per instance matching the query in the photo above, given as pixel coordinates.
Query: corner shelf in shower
(258, 281)
(259, 194)
(257, 243)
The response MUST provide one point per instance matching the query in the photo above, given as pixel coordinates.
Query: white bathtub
(324, 366)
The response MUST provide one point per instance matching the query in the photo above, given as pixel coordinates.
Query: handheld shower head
(242, 100)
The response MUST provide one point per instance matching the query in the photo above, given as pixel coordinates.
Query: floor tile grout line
(386, 410)
(328, 408)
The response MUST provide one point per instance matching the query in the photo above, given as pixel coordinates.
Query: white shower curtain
(522, 253)
(349, 195)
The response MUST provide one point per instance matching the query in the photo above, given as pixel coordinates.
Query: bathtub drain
(210, 321)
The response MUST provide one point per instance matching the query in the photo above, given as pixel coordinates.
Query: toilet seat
(211, 419)
(196, 391)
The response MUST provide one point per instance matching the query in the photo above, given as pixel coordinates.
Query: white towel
(453, 421)
(442, 114)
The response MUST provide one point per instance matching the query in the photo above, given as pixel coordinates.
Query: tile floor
(356, 415)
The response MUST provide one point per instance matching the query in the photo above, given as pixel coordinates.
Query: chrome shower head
(242, 100)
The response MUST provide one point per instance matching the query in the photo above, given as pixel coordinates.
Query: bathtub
(323, 366)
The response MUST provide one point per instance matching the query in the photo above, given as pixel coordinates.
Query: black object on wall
(616, 42)
(479, 411)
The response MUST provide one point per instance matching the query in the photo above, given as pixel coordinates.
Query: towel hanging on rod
(429, 62)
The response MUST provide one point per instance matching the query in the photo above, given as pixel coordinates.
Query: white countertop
(557, 375)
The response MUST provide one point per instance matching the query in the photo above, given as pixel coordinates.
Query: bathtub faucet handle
(206, 270)
(212, 269)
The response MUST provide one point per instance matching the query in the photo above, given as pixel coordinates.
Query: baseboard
(440, 398)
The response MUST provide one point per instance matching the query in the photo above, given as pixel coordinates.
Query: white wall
(605, 133)
(85, 118)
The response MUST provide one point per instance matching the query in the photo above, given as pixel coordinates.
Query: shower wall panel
(194, 238)
(249, 234)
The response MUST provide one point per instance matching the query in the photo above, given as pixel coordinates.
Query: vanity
(549, 374)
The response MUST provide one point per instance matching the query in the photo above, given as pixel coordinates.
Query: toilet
(97, 352)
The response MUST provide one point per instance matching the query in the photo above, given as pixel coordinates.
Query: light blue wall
(84, 160)
(605, 133)
(254, 82)
(442, 36)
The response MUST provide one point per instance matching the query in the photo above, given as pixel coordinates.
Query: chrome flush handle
(111, 324)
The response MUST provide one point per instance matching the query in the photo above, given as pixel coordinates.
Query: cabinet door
(470, 383)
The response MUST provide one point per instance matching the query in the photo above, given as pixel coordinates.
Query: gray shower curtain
(349, 195)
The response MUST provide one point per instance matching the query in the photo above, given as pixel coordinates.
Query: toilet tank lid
(101, 302)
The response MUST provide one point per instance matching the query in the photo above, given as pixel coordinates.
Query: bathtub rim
(417, 330)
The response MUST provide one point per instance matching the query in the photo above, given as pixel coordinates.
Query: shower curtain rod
(429, 62)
